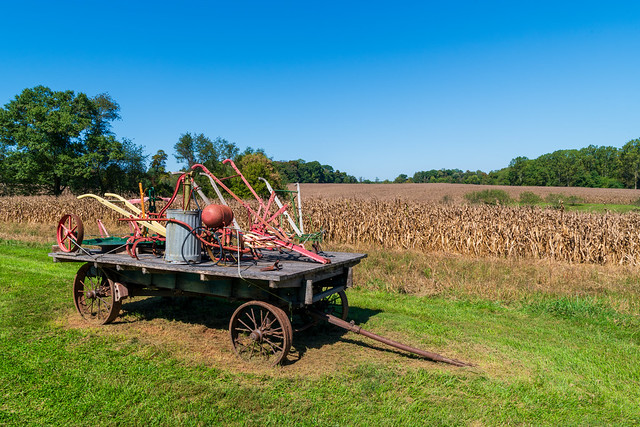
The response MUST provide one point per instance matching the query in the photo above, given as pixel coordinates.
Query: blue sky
(372, 88)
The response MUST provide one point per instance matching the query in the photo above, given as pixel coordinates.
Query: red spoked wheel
(70, 233)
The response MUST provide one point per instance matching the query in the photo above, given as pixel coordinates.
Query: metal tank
(182, 247)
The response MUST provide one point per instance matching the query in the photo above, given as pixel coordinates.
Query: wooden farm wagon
(260, 329)
(203, 252)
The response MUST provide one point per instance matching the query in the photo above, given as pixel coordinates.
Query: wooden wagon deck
(293, 267)
(244, 281)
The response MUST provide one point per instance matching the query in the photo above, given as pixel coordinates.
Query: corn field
(478, 230)
(49, 210)
(481, 230)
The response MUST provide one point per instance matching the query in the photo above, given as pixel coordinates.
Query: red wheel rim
(70, 233)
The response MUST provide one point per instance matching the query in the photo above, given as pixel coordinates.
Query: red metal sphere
(217, 216)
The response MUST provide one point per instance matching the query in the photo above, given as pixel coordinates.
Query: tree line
(52, 141)
(592, 166)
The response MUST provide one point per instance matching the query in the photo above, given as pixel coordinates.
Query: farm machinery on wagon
(203, 252)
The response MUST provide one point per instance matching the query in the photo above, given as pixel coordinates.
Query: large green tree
(254, 165)
(51, 140)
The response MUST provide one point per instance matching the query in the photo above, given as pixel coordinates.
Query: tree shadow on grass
(215, 313)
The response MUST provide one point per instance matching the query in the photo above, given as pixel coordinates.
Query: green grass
(541, 360)
(589, 207)
(602, 208)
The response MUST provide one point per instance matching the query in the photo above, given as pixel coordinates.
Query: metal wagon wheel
(335, 304)
(70, 233)
(260, 332)
(94, 295)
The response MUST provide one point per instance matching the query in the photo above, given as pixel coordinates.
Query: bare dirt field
(456, 192)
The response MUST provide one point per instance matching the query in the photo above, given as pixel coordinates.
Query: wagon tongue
(350, 326)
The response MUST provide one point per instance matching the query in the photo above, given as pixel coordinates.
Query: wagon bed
(294, 271)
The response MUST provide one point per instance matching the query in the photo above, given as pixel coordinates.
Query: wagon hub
(91, 294)
(256, 335)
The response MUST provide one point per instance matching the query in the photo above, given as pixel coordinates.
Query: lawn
(541, 358)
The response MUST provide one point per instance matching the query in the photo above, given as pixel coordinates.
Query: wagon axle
(93, 294)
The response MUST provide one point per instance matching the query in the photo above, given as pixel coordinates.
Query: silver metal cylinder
(182, 247)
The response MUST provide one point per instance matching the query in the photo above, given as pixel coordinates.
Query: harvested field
(477, 230)
(456, 192)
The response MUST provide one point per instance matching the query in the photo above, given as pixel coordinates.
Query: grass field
(548, 351)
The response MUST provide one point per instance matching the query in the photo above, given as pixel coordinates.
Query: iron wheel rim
(260, 333)
(94, 295)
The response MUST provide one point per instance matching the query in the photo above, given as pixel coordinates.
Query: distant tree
(213, 153)
(401, 178)
(159, 178)
(311, 172)
(517, 169)
(130, 169)
(158, 164)
(630, 162)
(206, 152)
(198, 148)
(186, 150)
(289, 170)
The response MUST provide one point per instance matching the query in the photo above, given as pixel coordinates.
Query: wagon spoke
(276, 334)
(105, 303)
(249, 328)
(263, 318)
(272, 350)
(242, 347)
(271, 322)
(273, 345)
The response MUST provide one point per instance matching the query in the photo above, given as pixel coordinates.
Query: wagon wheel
(260, 332)
(94, 296)
(335, 304)
(70, 233)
